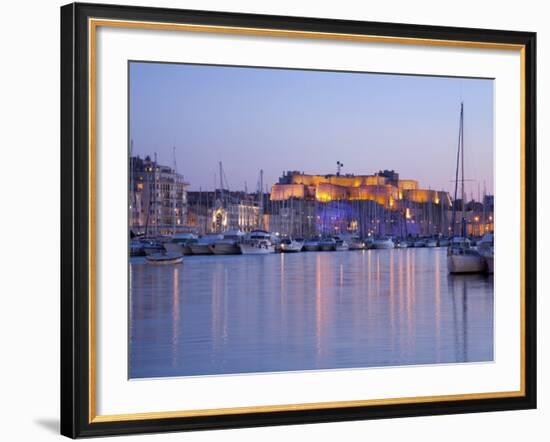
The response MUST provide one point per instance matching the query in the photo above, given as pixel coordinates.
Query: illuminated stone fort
(385, 188)
(378, 204)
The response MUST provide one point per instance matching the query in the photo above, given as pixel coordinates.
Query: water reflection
(235, 314)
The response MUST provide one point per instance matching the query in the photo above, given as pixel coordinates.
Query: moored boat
(402, 244)
(383, 243)
(369, 241)
(229, 245)
(289, 245)
(312, 245)
(151, 246)
(486, 249)
(180, 242)
(258, 242)
(431, 242)
(420, 243)
(357, 244)
(164, 258)
(462, 258)
(341, 245)
(202, 246)
(136, 248)
(327, 244)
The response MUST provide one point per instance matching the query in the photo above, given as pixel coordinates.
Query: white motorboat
(463, 258)
(486, 248)
(179, 243)
(229, 245)
(164, 258)
(202, 246)
(289, 245)
(258, 242)
(312, 245)
(383, 243)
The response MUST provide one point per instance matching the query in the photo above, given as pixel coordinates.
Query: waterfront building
(229, 215)
(221, 210)
(158, 198)
(378, 204)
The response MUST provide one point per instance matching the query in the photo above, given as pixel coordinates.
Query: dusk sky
(277, 119)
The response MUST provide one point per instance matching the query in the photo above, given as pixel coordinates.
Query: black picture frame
(75, 221)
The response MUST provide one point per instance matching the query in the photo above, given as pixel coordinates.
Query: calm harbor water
(305, 311)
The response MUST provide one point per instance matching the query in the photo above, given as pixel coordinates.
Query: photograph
(284, 220)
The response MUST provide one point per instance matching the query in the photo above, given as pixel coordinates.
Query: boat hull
(221, 248)
(254, 249)
(312, 247)
(137, 250)
(383, 245)
(164, 258)
(200, 249)
(465, 264)
(291, 248)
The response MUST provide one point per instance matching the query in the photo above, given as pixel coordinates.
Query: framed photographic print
(274, 220)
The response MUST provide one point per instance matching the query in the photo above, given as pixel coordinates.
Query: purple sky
(278, 119)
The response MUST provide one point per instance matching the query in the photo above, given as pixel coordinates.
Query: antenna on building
(339, 166)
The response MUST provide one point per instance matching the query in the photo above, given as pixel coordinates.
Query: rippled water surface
(306, 311)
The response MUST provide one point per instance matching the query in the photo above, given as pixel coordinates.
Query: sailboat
(461, 257)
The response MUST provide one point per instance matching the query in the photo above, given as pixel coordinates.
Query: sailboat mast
(174, 193)
(155, 195)
(261, 199)
(221, 183)
(462, 166)
(457, 168)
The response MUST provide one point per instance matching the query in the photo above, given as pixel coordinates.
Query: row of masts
(368, 211)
